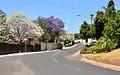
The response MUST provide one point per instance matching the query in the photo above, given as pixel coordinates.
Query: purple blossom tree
(55, 24)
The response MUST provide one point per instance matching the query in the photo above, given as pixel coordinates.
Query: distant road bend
(50, 63)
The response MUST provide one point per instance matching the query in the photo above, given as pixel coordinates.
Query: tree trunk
(33, 46)
(86, 40)
(25, 46)
(46, 44)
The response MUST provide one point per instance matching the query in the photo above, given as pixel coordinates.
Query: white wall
(83, 41)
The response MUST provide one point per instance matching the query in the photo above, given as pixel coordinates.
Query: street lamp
(78, 15)
(78, 32)
(91, 15)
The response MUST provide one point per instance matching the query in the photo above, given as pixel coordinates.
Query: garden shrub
(102, 45)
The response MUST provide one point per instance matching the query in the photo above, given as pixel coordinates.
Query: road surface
(50, 63)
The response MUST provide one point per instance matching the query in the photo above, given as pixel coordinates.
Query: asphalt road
(50, 63)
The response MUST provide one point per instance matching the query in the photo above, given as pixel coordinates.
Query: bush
(106, 43)
(92, 49)
(103, 45)
(85, 51)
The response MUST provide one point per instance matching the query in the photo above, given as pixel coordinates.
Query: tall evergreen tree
(85, 31)
(99, 23)
(111, 11)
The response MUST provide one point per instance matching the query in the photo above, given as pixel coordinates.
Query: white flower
(21, 27)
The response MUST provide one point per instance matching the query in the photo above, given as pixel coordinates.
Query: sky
(67, 10)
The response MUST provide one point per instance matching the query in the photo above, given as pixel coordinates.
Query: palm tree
(104, 8)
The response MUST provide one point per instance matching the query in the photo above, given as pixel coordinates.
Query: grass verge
(112, 58)
(109, 60)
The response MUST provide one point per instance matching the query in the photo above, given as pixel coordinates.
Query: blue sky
(64, 9)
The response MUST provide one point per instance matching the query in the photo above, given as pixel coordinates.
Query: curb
(27, 53)
(64, 48)
(103, 65)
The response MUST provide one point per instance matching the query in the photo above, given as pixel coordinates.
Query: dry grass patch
(110, 58)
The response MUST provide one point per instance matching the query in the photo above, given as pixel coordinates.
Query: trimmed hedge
(93, 49)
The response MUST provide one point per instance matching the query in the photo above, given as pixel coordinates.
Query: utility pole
(79, 16)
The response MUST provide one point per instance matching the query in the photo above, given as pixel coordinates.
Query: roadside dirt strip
(100, 64)
(108, 66)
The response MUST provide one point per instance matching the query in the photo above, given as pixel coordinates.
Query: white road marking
(78, 69)
(54, 58)
(68, 66)
(55, 61)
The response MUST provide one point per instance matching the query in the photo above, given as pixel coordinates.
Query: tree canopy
(106, 28)
(21, 28)
(85, 30)
(52, 27)
(99, 22)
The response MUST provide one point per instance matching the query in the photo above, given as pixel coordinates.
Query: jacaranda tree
(56, 25)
